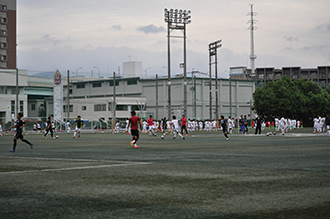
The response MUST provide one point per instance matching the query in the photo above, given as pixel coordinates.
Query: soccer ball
(56, 137)
(267, 134)
(162, 136)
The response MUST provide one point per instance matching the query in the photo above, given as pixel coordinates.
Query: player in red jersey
(151, 128)
(133, 121)
(184, 125)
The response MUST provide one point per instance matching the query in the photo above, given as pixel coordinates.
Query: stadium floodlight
(177, 19)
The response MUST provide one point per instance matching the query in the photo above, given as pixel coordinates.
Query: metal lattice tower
(253, 57)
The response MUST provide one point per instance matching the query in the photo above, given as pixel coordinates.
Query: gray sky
(79, 33)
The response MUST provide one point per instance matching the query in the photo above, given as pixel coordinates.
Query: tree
(300, 99)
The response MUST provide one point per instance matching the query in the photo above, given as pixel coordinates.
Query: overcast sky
(104, 33)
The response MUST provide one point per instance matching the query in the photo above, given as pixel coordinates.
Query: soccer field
(204, 176)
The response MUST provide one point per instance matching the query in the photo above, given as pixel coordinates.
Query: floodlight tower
(177, 20)
(253, 57)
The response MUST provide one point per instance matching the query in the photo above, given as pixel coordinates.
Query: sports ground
(204, 176)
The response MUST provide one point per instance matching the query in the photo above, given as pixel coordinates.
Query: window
(122, 107)
(21, 106)
(13, 91)
(3, 8)
(111, 83)
(3, 20)
(12, 105)
(261, 76)
(304, 73)
(3, 45)
(65, 108)
(70, 91)
(33, 107)
(100, 107)
(131, 82)
(313, 73)
(83, 108)
(3, 90)
(3, 58)
(98, 84)
(3, 33)
(80, 86)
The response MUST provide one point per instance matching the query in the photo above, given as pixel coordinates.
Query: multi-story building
(8, 34)
(320, 75)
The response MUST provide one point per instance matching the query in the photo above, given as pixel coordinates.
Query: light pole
(98, 70)
(177, 20)
(146, 71)
(213, 52)
(78, 70)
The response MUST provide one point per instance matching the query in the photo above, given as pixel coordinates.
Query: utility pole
(213, 52)
(253, 57)
(17, 91)
(195, 106)
(68, 97)
(156, 96)
(114, 99)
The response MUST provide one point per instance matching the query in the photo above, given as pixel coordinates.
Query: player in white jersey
(323, 126)
(35, 128)
(319, 126)
(168, 125)
(201, 124)
(38, 128)
(283, 123)
(298, 124)
(277, 124)
(144, 126)
(176, 128)
(214, 125)
(128, 128)
(117, 127)
(68, 127)
(1, 133)
(315, 125)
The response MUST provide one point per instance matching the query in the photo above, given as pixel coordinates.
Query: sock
(15, 143)
(136, 139)
(74, 134)
(26, 141)
(226, 135)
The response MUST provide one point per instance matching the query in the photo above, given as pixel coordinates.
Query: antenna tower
(253, 57)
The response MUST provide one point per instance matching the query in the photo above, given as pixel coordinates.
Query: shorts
(135, 133)
(225, 130)
(78, 129)
(19, 135)
(328, 127)
(183, 127)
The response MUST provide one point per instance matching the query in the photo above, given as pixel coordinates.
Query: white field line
(72, 168)
(119, 163)
(76, 160)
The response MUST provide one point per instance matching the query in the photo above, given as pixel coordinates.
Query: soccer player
(145, 124)
(68, 127)
(241, 124)
(176, 128)
(246, 124)
(316, 121)
(117, 127)
(184, 125)
(127, 127)
(79, 124)
(201, 125)
(224, 126)
(35, 128)
(151, 128)
(258, 122)
(49, 128)
(19, 125)
(1, 133)
(38, 128)
(133, 121)
(327, 123)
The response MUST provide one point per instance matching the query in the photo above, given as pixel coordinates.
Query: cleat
(44, 137)
(74, 137)
(31, 145)
(132, 143)
(136, 146)
(227, 139)
(174, 137)
(12, 150)
(79, 136)
(184, 138)
(186, 134)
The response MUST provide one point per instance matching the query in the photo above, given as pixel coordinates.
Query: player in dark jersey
(134, 121)
(49, 128)
(224, 126)
(79, 124)
(19, 125)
